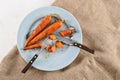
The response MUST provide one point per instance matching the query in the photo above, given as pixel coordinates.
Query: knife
(74, 43)
(35, 57)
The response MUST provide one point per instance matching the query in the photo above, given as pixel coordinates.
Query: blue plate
(49, 61)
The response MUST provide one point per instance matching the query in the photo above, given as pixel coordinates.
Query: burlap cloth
(100, 22)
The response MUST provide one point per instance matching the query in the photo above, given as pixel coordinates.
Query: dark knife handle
(83, 47)
(30, 63)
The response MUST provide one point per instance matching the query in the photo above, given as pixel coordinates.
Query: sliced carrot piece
(52, 49)
(67, 32)
(59, 44)
(47, 48)
(52, 37)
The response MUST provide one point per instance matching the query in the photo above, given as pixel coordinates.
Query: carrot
(49, 30)
(52, 49)
(67, 32)
(37, 45)
(45, 21)
(59, 44)
(52, 37)
(47, 48)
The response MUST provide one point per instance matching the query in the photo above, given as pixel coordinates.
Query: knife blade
(74, 43)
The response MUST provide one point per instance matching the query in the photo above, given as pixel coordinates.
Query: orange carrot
(37, 45)
(67, 32)
(49, 30)
(52, 49)
(59, 44)
(47, 48)
(52, 37)
(45, 21)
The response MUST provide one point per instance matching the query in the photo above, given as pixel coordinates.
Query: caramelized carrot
(52, 28)
(37, 45)
(45, 21)
(47, 48)
(59, 44)
(52, 37)
(67, 32)
(52, 49)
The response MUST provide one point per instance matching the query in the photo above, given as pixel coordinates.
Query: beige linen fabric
(100, 23)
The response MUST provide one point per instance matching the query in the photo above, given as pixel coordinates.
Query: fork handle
(30, 63)
(83, 47)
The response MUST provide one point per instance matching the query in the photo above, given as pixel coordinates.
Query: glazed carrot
(45, 21)
(37, 45)
(47, 48)
(67, 32)
(49, 30)
(59, 44)
(52, 49)
(52, 37)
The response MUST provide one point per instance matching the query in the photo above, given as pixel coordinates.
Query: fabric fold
(99, 20)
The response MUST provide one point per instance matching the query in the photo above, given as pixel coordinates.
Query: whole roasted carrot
(45, 21)
(37, 45)
(52, 28)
